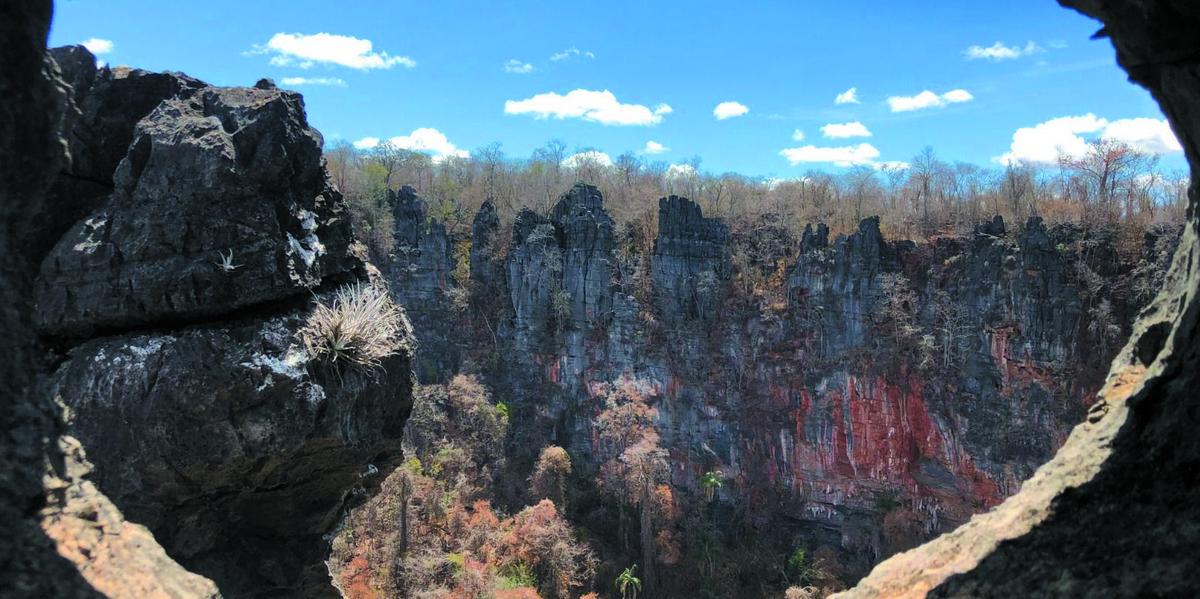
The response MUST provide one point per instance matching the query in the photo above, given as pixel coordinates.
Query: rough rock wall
(782, 371)
(63, 537)
(689, 260)
(1116, 512)
(176, 302)
(420, 269)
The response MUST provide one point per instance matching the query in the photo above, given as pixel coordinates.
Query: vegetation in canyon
(602, 484)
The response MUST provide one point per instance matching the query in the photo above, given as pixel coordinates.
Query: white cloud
(681, 171)
(596, 106)
(1153, 136)
(1044, 142)
(653, 147)
(98, 46)
(569, 52)
(728, 110)
(797, 135)
(305, 51)
(515, 66)
(849, 96)
(367, 143)
(425, 139)
(587, 157)
(928, 99)
(843, 156)
(998, 52)
(329, 81)
(844, 130)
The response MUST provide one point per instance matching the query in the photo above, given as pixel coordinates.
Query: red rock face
(788, 375)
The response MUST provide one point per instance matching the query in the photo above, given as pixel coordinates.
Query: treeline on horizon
(1112, 187)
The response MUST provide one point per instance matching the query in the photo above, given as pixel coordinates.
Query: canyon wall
(1115, 512)
(835, 383)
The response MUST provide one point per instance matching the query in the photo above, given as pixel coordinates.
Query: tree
(549, 478)
(1104, 326)
(634, 467)
(897, 304)
(628, 583)
(862, 186)
(953, 324)
(1106, 172)
(924, 169)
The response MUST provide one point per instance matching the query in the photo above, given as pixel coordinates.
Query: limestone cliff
(836, 383)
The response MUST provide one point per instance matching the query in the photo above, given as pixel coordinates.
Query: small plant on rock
(358, 329)
(226, 263)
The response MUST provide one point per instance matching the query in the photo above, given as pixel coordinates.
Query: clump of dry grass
(358, 329)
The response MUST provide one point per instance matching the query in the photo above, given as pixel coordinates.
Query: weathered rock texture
(777, 361)
(62, 537)
(210, 176)
(420, 268)
(197, 252)
(1116, 513)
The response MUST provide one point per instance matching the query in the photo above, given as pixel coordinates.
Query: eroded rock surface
(219, 203)
(1116, 512)
(862, 394)
(178, 299)
(62, 536)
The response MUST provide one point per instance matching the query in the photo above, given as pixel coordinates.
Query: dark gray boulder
(231, 445)
(220, 203)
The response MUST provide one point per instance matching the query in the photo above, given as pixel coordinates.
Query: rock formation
(420, 268)
(205, 230)
(63, 537)
(1116, 513)
(783, 370)
(687, 250)
(231, 427)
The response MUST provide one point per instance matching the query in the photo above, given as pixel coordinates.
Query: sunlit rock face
(177, 301)
(776, 360)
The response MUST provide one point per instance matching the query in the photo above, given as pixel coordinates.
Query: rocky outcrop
(1115, 512)
(220, 203)
(843, 280)
(585, 240)
(689, 260)
(231, 446)
(837, 384)
(178, 301)
(420, 271)
(63, 537)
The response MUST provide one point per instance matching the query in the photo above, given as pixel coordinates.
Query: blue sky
(441, 66)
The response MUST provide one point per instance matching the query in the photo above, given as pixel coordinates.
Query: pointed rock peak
(680, 209)
(582, 197)
(1034, 235)
(994, 227)
(526, 221)
(406, 204)
(679, 216)
(870, 226)
(814, 239)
